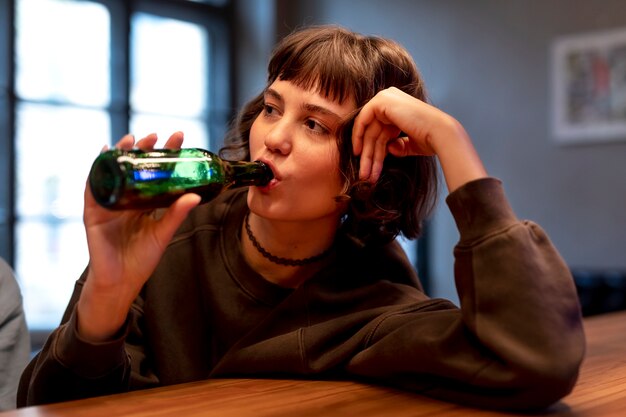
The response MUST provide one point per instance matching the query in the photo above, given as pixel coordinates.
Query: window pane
(55, 146)
(51, 255)
(169, 68)
(195, 131)
(62, 51)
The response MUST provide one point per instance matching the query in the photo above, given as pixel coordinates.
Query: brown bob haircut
(341, 64)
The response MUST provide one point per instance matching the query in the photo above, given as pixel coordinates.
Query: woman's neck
(287, 253)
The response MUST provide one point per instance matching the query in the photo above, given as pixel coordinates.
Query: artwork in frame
(589, 87)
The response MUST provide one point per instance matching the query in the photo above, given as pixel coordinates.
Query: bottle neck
(250, 173)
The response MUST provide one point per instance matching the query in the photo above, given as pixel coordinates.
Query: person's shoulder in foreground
(14, 337)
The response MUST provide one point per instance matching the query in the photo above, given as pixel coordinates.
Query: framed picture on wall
(589, 87)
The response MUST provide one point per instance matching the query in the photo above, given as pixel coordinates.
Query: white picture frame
(589, 87)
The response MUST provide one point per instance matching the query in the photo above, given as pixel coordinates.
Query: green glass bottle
(134, 179)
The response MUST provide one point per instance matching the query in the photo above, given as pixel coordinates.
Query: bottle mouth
(268, 173)
(105, 181)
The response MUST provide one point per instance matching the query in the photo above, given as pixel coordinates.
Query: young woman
(303, 277)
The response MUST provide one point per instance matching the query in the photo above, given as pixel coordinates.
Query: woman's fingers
(147, 143)
(399, 147)
(373, 144)
(368, 140)
(380, 152)
(127, 142)
(379, 126)
(372, 130)
(175, 141)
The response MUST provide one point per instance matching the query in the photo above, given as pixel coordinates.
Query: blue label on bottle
(149, 175)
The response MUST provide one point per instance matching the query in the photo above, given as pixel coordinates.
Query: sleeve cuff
(480, 208)
(89, 360)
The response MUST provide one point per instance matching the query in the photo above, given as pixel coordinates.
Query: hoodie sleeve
(69, 368)
(517, 340)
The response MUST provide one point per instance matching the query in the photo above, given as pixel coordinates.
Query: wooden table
(600, 392)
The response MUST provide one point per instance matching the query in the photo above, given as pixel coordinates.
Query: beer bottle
(135, 179)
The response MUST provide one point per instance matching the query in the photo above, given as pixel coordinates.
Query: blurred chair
(600, 291)
(14, 337)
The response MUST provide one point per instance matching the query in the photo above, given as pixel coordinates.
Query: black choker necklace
(277, 259)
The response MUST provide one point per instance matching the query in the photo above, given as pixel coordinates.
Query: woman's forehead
(314, 95)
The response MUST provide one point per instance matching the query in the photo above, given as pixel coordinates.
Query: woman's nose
(279, 136)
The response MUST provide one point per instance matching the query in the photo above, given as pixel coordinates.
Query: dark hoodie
(516, 342)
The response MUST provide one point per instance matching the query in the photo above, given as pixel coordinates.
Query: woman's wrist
(459, 160)
(100, 315)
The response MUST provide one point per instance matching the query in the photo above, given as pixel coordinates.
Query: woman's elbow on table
(545, 386)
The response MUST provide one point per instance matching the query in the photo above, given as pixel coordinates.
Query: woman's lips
(267, 187)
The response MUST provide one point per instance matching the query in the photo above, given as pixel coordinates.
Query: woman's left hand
(397, 123)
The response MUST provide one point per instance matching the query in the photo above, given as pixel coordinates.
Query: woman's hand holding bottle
(397, 123)
(124, 248)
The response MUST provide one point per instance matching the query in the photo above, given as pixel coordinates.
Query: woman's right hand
(124, 249)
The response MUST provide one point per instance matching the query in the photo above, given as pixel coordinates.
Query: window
(156, 104)
(79, 75)
(62, 85)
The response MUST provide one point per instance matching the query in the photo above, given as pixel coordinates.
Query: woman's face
(295, 135)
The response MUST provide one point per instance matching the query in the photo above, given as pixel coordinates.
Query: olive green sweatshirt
(516, 342)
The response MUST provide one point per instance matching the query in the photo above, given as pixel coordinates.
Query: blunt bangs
(331, 63)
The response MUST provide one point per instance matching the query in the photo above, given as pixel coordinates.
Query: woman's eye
(268, 109)
(315, 126)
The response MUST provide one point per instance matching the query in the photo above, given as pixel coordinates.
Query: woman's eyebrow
(273, 94)
(314, 108)
(311, 108)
